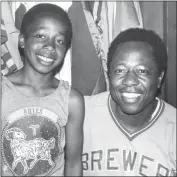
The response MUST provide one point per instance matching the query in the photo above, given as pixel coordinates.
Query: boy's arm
(74, 135)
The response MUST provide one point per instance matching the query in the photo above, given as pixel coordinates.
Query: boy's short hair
(141, 35)
(51, 9)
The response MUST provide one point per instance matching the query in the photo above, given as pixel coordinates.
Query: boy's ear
(160, 79)
(21, 41)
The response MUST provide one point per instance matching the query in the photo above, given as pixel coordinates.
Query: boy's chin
(44, 71)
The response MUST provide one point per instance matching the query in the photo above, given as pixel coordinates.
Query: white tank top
(33, 131)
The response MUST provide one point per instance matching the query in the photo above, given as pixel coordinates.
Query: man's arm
(74, 135)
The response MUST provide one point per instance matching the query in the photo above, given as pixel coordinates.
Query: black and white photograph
(88, 88)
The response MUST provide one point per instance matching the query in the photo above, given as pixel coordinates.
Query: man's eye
(40, 36)
(142, 71)
(120, 71)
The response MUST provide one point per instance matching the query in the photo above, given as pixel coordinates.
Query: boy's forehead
(43, 14)
(47, 15)
(46, 23)
(45, 18)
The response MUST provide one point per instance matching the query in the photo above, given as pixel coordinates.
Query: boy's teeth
(45, 58)
(131, 95)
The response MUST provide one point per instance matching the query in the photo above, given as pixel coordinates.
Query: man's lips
(131, 95)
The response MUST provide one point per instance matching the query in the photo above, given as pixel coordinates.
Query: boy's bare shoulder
(75, 97)
(76, 106)
(15, 77)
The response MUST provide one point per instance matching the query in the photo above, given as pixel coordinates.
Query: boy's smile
(45, 43)
(45, 60)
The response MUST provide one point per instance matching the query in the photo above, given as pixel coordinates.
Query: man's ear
(21, 41)
(160, 79)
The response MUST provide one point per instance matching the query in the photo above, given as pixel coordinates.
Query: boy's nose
(130, 79)
(50, 46)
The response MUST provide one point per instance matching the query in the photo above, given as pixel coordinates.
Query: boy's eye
(40, 36)
(60, 41)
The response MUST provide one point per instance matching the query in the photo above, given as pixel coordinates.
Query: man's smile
(130, 95)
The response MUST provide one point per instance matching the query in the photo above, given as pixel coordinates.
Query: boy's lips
(45, 60)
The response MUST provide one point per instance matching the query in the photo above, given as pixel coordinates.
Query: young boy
(42, 117)
(129, 131)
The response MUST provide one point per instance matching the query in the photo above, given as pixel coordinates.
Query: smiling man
(129, 131)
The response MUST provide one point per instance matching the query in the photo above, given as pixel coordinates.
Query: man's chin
(131, 109)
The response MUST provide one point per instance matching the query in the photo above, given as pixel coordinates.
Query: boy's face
(134, 77)
(45, 44)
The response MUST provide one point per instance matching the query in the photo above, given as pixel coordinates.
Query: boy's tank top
(33, 131)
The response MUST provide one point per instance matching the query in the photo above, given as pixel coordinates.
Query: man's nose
(130, 79)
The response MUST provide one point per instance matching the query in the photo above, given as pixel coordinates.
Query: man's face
(134, 77)
(45, 44)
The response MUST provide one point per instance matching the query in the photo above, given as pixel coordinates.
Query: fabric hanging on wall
(7, 64)
(96, 18)
(10, 57)
(128, 15)
(111, 13)
(86, 67)
(3, 32)
(100, 15)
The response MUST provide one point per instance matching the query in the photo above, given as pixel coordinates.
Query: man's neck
(134, 122)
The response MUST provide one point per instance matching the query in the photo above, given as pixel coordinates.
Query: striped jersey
(109, 150)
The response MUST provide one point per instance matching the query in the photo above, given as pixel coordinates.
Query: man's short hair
(141, 35)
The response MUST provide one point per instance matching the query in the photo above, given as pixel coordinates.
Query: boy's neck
(33, 78)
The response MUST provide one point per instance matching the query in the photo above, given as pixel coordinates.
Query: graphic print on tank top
(31, 141)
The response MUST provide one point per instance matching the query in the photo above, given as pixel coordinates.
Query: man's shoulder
(169, 112)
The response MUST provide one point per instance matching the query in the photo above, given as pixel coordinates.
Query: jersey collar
(154, 117)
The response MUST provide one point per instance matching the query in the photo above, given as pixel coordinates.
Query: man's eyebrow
(62, 33)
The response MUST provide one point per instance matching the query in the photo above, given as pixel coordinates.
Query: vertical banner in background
(10, 57)
(128, 15)
(86, 67)
(96, 18)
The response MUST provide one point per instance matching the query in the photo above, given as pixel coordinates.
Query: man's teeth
(131, 95)
(45, 58)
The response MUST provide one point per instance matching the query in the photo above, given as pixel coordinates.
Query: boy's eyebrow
(41, 28)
